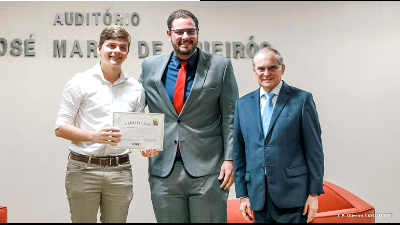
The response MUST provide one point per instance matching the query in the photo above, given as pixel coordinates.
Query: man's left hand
(226, 174)
(311, 206)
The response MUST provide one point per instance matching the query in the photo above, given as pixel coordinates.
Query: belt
(103, 161)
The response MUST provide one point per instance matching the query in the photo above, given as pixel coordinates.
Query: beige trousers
(91, 186)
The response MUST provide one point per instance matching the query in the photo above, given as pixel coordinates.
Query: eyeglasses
(261, 70)
(189, 32)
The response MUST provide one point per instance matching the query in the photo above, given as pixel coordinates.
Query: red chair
(337, 205)
(3, 214)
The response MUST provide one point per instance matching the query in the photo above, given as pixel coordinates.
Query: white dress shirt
(88, 102)
(263, 99)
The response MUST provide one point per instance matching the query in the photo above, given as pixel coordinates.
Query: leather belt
(103, 161)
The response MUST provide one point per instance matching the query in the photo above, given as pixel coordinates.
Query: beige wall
(345, 53)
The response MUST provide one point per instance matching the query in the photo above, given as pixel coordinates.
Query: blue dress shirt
(171, 74)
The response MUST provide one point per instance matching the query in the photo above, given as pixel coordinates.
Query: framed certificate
(140, 130)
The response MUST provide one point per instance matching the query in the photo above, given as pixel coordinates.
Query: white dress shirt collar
(97, 71)
(275, 90)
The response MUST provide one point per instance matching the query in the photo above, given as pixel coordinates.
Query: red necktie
(179, 92)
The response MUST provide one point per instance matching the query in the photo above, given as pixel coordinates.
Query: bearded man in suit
(191, 177)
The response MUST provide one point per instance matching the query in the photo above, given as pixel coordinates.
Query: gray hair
(278, 55)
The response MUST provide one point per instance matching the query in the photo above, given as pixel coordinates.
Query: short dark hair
(114, 32)
(181, 13)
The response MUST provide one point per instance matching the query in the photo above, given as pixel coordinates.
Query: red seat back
(3, 214)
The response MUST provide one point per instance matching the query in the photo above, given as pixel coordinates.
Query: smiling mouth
(267, 80)
(185, 43)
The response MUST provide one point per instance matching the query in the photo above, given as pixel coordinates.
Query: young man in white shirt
(98, 174)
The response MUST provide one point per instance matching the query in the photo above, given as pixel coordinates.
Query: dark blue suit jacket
(292, 152)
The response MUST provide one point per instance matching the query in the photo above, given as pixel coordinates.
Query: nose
(117, 50)
(265, 73)
(185, 35)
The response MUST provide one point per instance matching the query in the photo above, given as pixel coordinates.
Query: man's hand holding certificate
(140, 130)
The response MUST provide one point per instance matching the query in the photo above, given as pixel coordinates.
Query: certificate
(140, 130)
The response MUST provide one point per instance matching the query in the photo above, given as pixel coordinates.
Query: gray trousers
(90, 186)
(182, 198)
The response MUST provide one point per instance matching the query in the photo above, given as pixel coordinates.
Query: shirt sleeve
(70, 103)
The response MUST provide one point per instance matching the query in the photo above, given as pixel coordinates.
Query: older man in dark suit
(278, 157)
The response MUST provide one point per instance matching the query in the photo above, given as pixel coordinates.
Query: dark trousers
(272, 214)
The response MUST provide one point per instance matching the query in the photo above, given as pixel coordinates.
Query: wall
(345, 53)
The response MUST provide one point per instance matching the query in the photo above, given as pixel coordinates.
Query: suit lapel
(255, 108)
(280, 103)
(199, 78)
(161, 65)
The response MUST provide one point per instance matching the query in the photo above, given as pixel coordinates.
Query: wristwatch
(313, 194)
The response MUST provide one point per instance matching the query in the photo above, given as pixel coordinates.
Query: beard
(185, 52)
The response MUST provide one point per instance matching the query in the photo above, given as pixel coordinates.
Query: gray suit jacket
(204, 128)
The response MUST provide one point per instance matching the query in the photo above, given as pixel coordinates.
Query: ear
(283, 69)
(98, 48)
(169, 35)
